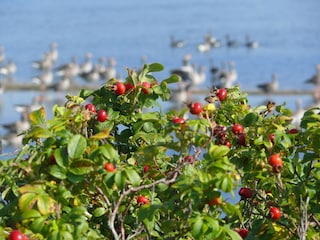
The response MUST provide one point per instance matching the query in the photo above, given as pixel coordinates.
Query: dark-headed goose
(315, 79)
(270, 87)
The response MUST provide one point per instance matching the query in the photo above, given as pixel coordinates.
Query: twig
(166, 180)
(103, 195)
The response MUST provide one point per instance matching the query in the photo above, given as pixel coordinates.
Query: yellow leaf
(101, 135)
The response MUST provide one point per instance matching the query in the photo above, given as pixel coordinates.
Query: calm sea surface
(288, 33)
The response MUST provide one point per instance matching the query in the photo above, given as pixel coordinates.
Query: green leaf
(172, 79)
(155, 67)
(38, 224)
(216, 152)
(81, 167)
(197, 227)
(120, 179)
(58, 172)
(98, 212)
(250, 119)
(77, 146)
(133, 177)
(32, 213)
(109, 152)
(234, 235)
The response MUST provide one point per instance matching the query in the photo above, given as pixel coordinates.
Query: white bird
(44, 79)
(63, 84)
(53, 52)
(204, 47)
(87, 66)
(182, 93)
(110, 70)
(226, 78)
(186, 70)
(100, 66)
(43, 64)
(270, 87)
(92, 76)
(9, 69)
(298, 114)
(315, 79)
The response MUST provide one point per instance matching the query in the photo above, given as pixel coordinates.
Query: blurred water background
(288, 33)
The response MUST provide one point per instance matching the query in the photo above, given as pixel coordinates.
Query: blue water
(287, 30)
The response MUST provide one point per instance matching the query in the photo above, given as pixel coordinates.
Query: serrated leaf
(77, 146)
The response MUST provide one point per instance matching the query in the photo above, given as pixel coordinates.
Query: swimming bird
(204, 47)
(315, 79)
(186, 70)
(176, 43)
(250, 43)
(212, 41)
(231, 42)
(270, 86)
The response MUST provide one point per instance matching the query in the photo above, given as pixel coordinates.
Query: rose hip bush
(145, 174)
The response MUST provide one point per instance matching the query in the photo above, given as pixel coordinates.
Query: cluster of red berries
(102, 114)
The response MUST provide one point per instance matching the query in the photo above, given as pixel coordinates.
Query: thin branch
(166, 180)
(103, 195)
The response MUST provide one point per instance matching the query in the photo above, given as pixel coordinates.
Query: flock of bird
(211, 42)
(51, 76)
